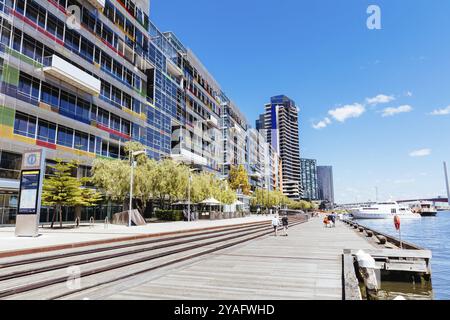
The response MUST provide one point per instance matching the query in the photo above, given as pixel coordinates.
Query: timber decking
(305, 265)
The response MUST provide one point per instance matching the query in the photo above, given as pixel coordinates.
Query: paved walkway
(55, 237)
(305, 265)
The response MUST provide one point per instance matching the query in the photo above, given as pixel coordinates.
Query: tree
(113, 178)
(61, 188)
(238, 179)
(88, 198)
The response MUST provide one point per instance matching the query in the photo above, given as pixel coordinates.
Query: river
(431, 233)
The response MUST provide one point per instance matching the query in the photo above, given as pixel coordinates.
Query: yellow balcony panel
(6, 132)
(23, 139)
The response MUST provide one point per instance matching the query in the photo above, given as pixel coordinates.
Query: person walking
(285, 222)
(275, 224)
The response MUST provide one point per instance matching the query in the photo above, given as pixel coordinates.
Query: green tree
(88, 198)
(112, 177)
(238, 179)
(61, 189)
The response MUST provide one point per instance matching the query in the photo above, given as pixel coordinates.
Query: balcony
(67, 72)
(187, 157)
(173, 69)
(213, 121)
(99, 4)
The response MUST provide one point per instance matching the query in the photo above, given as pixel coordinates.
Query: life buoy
(397, 222)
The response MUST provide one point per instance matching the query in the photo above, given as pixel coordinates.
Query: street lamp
(132, 156)
(189, 193)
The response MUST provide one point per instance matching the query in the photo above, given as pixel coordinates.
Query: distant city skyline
(374, 103)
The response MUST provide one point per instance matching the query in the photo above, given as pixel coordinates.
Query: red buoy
(397, 222)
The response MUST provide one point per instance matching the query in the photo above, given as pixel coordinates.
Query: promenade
(305, 265)
(86, 234)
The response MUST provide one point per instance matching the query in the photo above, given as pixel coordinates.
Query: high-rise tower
(282, 132)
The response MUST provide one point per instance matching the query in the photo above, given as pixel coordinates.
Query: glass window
(65, 136)
(11, 161)
(92, 144)
(126, 127)
(115, 122)
(82, 109)
(49, 95)
(106, 90)
(127, 101)
(113, 151)
(46, 131)
(136, 106)
(103, 117)
(81, 141)
(68, 102)
(25, 125)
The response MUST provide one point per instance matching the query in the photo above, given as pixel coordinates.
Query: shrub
(169, 215)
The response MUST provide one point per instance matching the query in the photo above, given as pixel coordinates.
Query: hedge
(169, 215)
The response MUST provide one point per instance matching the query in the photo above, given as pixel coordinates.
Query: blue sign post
(31, 180)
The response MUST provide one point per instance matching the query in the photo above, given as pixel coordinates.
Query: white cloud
(420, 153)
(322, 124)
(380, 99)
(441, 112)
(389, 112)
(346, 112)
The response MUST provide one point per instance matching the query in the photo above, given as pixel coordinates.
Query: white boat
(425, 209)
(385, 210)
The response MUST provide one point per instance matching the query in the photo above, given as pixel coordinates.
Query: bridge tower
(446, 182)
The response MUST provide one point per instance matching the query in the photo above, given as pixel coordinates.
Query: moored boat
(425, 209)
(385, 210)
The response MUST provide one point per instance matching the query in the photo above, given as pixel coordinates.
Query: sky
(374, 103)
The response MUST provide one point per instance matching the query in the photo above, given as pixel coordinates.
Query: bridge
(435, 200)
(438, 200)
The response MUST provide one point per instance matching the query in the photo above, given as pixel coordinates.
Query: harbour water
(431, 233)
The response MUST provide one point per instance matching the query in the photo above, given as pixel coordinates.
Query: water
(432, 233)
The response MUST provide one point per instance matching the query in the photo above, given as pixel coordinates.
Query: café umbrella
(211, 202)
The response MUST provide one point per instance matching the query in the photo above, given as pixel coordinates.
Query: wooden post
(370, 282)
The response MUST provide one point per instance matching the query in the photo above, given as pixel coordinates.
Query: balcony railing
(71, 74)
(99, 4)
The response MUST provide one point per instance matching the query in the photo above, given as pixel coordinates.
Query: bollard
(382, 239)
(361, 229)
(367, 268)
(369, 233)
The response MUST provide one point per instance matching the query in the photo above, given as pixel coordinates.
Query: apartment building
(309, 179)
(280, 124)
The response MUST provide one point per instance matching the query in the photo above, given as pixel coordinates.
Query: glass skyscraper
(309, 179)
(325, 183)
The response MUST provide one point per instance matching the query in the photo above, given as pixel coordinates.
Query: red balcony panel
(46, 144)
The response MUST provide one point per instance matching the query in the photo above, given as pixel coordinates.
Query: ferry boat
(385, 210)
(425, 209)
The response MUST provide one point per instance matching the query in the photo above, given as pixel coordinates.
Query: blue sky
(371, 91)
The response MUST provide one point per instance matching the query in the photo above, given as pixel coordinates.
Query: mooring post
(367, 268)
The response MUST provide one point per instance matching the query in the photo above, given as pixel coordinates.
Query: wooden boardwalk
(305, 265)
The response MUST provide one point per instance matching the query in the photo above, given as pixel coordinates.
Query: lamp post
(189, 193)
(132, 156)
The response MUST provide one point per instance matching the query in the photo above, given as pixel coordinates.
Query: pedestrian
(285, 222)
(333, 219)
(325, 222)
(275, 224)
